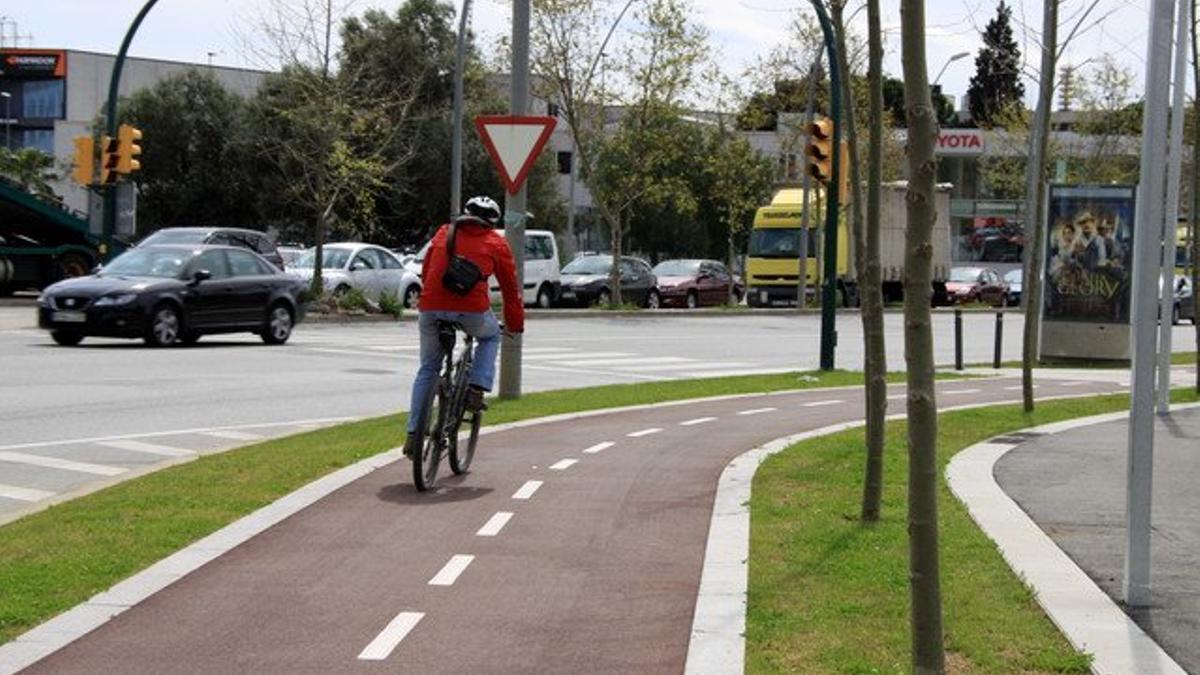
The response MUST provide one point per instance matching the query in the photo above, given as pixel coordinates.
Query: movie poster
(1090, 253)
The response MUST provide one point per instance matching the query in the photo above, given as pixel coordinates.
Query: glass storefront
(987, 231)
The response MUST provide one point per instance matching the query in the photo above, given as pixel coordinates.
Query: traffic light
(820, 149)
(128, 137)
(84, 163)
(110, 157)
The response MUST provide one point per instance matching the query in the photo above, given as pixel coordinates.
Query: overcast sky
(188, 30)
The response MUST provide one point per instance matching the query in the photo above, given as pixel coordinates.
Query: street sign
(514, 142)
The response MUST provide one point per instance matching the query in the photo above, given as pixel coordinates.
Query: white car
(542, 281)
(374, 270)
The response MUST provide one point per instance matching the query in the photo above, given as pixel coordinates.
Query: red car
(693, 283)
(977, 284)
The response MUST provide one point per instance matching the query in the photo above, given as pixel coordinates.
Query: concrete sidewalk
(1072, 484)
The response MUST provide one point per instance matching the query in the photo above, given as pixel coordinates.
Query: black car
(175, 293)
(251, 240)
(585, 281)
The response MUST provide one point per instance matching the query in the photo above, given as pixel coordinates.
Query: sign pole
(1166, 307)
(510, 346)
(1140, 462)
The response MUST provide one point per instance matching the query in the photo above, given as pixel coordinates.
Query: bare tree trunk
(1194, 215)
(872, 283)
(1035, 188)
(614, 277)
(732, 298)
(924, 575)
(318, 285)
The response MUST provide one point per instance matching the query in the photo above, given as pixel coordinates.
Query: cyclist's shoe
(474, 402)
(410, 446)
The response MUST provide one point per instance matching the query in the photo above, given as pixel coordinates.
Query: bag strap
(450, 241)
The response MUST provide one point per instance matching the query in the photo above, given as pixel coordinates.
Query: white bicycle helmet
(484, 208)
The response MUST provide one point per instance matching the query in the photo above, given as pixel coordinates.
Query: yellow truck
(773, 256)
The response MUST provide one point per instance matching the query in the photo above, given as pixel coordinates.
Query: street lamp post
(952, 59)
(7, 119)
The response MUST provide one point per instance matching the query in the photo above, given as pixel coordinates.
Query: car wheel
(165, 326)
(72, 265)
(692, 300)
(603, 298)
(341, 290)
(545, 297)
(279, 325)
(411, 295)
(652, 299)
(67, 338)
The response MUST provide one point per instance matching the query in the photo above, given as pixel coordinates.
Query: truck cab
(773, 257)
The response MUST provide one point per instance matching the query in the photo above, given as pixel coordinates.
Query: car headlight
(113, 300)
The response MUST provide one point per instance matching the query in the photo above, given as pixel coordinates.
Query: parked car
(291, 254)
(976, 284)
(1013, 279)
(693, 283)
(1184, 305)
(374, 270)
(542, 282)
(174, 293)
(251, 240)
(585, 281)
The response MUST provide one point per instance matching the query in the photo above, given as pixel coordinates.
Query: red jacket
(486, 248)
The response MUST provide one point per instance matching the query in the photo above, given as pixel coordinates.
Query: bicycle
(444, 413)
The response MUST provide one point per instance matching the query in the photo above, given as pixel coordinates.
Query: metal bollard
(958, 346)
(999, 339)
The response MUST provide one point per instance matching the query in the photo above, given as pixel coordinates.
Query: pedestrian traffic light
(84, 163)
(110, 157)
(820, 149)
(128, 137)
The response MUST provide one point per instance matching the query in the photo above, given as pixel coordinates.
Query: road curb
(1084, 613)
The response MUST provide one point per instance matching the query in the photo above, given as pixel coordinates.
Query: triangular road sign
(514, 142)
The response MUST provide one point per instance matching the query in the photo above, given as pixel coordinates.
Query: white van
(542, 283)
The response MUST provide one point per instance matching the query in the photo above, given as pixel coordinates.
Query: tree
(31, 170)
(996, 82)
(893, 102)
(924, 575)
(1194, 228)
(1107, 122)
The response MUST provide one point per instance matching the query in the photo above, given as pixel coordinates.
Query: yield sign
(514, 143)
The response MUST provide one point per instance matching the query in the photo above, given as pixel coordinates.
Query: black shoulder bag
(461, 274)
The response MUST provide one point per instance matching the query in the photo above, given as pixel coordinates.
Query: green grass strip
(52, 560)
(828, 594)
(1177, 359)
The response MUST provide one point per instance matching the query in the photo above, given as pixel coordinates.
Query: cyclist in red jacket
(476, 240)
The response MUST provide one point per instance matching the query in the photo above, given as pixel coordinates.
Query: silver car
(374, 270)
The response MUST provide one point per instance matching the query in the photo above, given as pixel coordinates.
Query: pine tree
(996, 82)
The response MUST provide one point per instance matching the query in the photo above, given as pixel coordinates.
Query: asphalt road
(596, 570)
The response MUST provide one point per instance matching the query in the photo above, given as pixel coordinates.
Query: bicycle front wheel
(425, 462)
(462, 451)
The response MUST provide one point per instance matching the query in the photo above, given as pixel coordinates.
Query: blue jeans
(480, 325)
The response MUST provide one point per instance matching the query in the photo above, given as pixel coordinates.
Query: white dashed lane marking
(644, 432)
(385, 643)
(55, 463)
(24, 494)
(526, 491)
(952, 392)
(598, 447)
(698, 420)
(494, 524)
(818, 404)
(148, 448)
(562, 464)
(450, 573)
(757, 411)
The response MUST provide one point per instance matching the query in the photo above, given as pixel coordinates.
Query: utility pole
(829, 280)
(514, 227)
(806, 184)
(456, 136)
(1146, 243)
(1166, 307)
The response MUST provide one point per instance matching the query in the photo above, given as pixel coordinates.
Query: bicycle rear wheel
(462, 451)
(425, 462)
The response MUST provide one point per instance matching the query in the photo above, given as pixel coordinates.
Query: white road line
(1019, 387)
(584, 358)
(952, 392)
(757, 411)
(563, 464)
(643, 432)
(494, 524)
(315, 423)
(384, 643)
(698, 420)
(630, 363)
(818, 404)
(148, 448)
(1078, 383)
(690, 364)
(546, 350)
(896, 397)
(598, 447)
(449, 574)
(23, 494)
(527, 490)
(234, 435)
(55, 463)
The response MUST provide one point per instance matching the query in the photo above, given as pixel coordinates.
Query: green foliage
(31, 170)
(389, 303)
(352, 300)
(996, 83)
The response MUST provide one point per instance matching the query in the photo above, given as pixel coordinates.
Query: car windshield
(966, 275)
(1013, 276)
(334, 259)
(677, 268)
(590, 264)
(175, 237)
(141, 262)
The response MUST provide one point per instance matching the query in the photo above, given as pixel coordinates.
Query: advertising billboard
(1090, 253)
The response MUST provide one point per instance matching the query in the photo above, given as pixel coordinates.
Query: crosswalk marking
(667, 367)
(23, 494)
(584, 356)
(56, 463)
(148, 448)
(637, 361)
